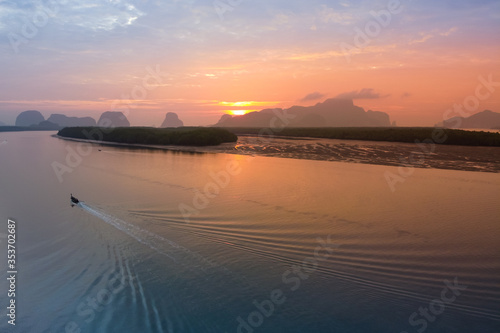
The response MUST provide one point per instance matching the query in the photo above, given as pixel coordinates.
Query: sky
(417, 60)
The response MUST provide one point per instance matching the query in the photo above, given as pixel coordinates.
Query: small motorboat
(74, 201)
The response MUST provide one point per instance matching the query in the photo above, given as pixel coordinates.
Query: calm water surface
(189, 242)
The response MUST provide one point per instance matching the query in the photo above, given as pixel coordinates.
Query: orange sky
(417, 64)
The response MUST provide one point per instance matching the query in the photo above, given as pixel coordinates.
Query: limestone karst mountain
(29, 118)
(486, 119)
(334, 112)
(65, 121)
(113, 119)
(172, 120)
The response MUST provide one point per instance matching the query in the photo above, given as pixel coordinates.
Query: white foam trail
(158, 243)
(190, 260)
(139, 234)
(131, 282)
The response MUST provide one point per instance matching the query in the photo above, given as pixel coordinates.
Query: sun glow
(248, 103)
(254, 105)
(238, 112)
(236, 103)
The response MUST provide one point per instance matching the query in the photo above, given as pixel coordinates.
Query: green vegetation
(23, 129)
(184, 136)
(394, 134)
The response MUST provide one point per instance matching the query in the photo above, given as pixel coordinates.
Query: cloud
(98, 15)
(330, 15)
(449, 32)
(365, 93)
(91, 15)
(312, 97)
(422, 39)
(405, 94)
(426, 36)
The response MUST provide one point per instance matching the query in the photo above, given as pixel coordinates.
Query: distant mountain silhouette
(486, 119)
(28, 118)
(334, 112)
(65, 121)
(2, 123)
(46, 125)
(172, 120)
(113, 119)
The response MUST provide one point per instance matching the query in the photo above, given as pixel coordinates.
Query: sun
(238, 112)
(249, 106)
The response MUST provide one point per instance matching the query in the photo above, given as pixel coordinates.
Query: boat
(74, 201)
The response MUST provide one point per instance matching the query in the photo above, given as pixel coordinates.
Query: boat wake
(161, 245)
(146, 308)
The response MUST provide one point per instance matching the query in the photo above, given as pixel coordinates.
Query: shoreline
(187, 149)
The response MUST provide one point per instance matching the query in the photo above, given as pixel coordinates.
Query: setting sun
(238, 112)
(256, 106)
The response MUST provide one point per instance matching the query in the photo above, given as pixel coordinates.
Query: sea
(245, 241)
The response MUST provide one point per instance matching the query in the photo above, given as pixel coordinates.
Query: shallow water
(329, 242)
(422, 155)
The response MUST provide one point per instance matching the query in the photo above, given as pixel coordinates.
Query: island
(183, 136)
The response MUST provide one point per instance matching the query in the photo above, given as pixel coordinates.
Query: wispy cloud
(449, 32)
(91, 15)
(312, 97)
(327, 14)
(425, 36)
(422, 39)
(365, 93)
